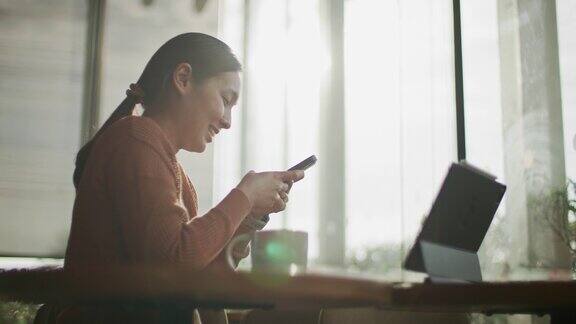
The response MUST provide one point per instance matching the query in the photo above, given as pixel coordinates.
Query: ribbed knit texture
(129, 209)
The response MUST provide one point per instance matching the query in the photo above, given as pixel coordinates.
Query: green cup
(275, 251)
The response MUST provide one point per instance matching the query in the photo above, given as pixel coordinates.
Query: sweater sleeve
(154, 223)
(250, 225)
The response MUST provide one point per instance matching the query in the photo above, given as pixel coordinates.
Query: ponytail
(126, 108)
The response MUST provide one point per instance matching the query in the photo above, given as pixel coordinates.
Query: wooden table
(245, 290)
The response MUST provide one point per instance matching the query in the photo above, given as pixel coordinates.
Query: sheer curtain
(276, 124)
(400, 124)
(399, 109)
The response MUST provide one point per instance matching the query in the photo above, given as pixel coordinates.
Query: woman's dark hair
(208, 56)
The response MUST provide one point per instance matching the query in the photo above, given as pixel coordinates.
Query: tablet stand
(448, 264)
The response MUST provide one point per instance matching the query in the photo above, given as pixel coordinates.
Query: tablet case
(451, 235)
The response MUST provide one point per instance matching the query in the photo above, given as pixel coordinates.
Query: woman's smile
(212, 132)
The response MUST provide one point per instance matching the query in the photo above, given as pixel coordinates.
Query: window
(397, 139)
(400, 128)
(387, 128)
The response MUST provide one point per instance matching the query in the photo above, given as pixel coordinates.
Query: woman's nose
(225, 124)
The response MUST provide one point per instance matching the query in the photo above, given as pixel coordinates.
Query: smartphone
(308, 162)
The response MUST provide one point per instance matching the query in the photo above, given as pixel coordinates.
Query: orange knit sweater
(135, 205)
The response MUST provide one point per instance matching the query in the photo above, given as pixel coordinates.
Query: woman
(134, 203)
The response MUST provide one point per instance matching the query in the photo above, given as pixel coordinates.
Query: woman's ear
(182, 78)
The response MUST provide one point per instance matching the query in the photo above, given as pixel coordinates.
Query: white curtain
(400, 128)
(276, 125)
(400, 133)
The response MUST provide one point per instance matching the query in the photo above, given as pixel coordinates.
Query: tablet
(461, 213)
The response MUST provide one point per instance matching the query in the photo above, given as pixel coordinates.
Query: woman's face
(205, 109)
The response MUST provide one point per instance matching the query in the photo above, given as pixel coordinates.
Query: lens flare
(277, 251)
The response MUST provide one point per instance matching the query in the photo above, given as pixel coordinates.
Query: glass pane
(400, 131)
(133, 31)
(42, 64)
(517, 76)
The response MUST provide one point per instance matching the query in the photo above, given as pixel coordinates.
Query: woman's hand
(268, 191)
